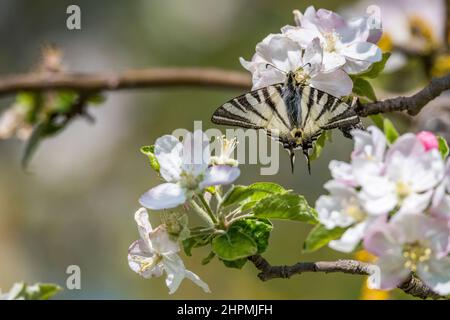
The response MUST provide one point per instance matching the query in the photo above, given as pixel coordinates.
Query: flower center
(354, 211)
(422, 30)
(189, 181)
(150, 263)
(415, 253)
(331, 38)
(403, 190)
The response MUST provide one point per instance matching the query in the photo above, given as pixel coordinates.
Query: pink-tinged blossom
(155, 253)
(277, 55)
(410, 243)
(428, 140)
(185, 167)
(407, 181)
(347, 44)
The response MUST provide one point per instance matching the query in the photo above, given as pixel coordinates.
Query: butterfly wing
(259, 109)
(322, 111)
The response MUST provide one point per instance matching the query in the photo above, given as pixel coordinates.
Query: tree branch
(412, 285)
(132, 79)
(204, 77)
(412, 104)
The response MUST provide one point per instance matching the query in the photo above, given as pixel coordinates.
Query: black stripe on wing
(254, 109)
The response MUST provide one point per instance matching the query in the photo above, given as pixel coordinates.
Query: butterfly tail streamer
(308, 161)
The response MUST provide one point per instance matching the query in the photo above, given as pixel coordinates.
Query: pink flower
(428, 140)
(412, 243)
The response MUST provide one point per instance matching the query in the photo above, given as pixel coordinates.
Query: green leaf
(96, 99)
(236, 264)
(288, 206)
(253, 192)
(320, 144)
(390, 131)
(208, 258)
(377, 120)
(233, 245)
(257, 229)
(38, 291)
(443, 147)
(363, 88)
(319, 236)
(63, 101)
(149, 151)
(377, 68)
(195, 242)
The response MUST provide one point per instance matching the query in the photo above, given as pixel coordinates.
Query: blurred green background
(76, 205)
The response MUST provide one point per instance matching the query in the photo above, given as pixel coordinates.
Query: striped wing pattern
(278, 109)
(258, 109)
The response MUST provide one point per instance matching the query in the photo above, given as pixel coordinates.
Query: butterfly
(293, 113)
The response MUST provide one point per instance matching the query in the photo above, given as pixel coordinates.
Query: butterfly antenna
(308, 161)
(292, 159)
(271, 65)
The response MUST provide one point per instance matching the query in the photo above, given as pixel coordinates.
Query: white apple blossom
(342, 209)
(185, 167)
(156, 253)
(347, 44)
(417, 26)
(413, 243)
(278, 54)
(407, 181)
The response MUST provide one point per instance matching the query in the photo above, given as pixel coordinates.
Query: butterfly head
(297, 135)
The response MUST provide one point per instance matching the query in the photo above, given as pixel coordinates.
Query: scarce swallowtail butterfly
(292, 113)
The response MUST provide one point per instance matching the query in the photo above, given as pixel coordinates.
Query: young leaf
(363, 88)
(376, 68)
(236, 264)
(320, 143)
(195, 242)
(257, 229)
(288, 206)
(208, 258)
(390, 131)
(233, 245)
(443, 147)
(149, 151)
(319, 236)
(63, 101)
(253, 192)
(377, 120)
(38, 291)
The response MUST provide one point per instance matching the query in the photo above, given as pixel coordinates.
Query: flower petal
(313, 57)
(196, 153)
(142, 261)
(219, 175)
(332, 61)
(175, 271)
(168, 152)
(391, 273)
(164, 196)
(196, 279)
(362, 51)
(161, 242)
(336, 83)
(350, 239)
(436, 274)
(144, 226)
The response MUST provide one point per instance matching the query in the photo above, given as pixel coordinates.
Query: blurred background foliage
(76, 203)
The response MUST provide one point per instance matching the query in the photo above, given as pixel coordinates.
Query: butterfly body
(292, 113)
